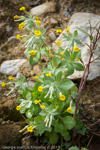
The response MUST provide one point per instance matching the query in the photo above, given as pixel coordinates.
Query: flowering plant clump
(50, 105)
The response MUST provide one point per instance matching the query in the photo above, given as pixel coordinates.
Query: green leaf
(69, 122)
(31, 61)
(46, 70)
(91, 37)
(53, 138)
(78, 41)
(23, 79)
(66, 85)
(59, 77)
(74, 148)
(66, 55)
(22, 110)
(58, 127)
(40, 126)
(75, 33)
(83, 31)
(65, 134)
(70, 69)
(28, 104)
(84, 149)
(76, 55)
(78, 66)
(28, 96)
(29, 113)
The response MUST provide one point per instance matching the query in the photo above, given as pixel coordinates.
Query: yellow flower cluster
(3, 84)
(18, 108)
(37, 101)
(41, 73)
(59, 31)
(32, 52)
(69, 109)
(67, 29)
(40, 88)
(22, 8)
(37, 32)
(76, 49)
(36, 17)
(61, 53)
(48, 74)
(35, 77)
(62, 97)
(11, 78)
(30, 129)
(77, 59)
(18, 36)
(16, 16)
(59, 42)
(38, 22)
(21, 26)
(42, 106)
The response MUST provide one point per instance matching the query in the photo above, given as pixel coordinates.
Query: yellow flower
(77, 59)
(76, 49)
(21, 25)
(35, 77)
(62, 97)
(58, 42)
(59, 31)
(32, 52)
(30, 129)
(20, 28)
(67, 29)
(51, 55)
(41, 73)
(61, 54)
(36, 17)
(18, 36)
(11, 78)
(37, 101)
(69, 109)
(37, 32)
(22, 8)
(40, 88)
(42, 106)
(18, 108)
(16, 17)
(3, 84)
(38, 22)
(48, 74)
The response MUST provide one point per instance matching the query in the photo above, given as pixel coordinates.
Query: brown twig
(86, 71)
(94, 123)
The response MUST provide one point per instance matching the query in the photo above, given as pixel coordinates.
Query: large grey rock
(81, 20)
(11, 67)
(44, 8)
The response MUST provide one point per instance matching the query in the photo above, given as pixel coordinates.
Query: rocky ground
(10, 49)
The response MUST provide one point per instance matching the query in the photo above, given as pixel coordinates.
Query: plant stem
(86, 72)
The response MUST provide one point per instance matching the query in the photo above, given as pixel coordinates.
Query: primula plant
(50, 105)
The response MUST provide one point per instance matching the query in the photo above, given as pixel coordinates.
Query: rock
(81, 20)
(53, 21)
(43, 9)
(52, 36)
(29, 84)
(18, 75)
(11, 67)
